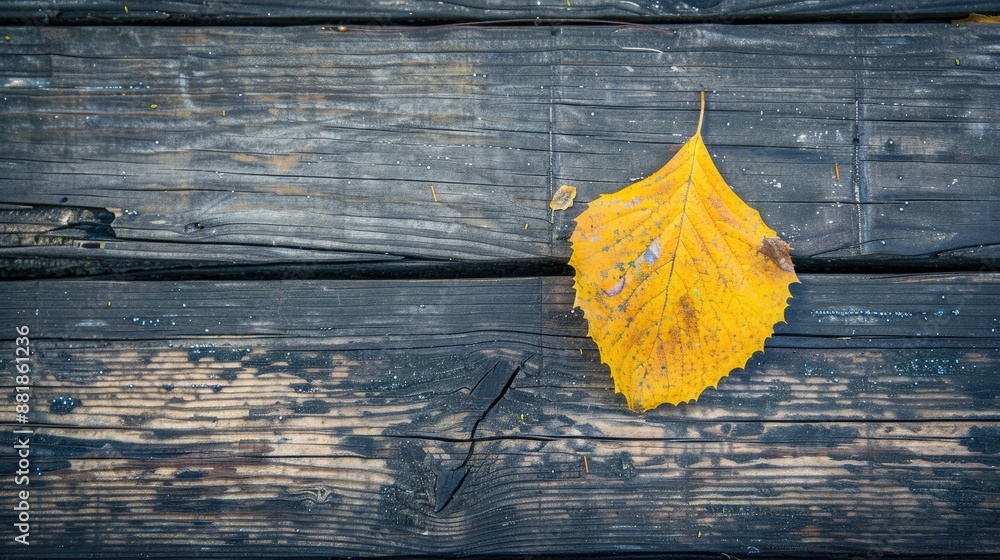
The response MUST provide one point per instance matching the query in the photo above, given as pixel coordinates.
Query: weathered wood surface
(158, 147)
(444, 417)
(398, 416)
(395, 11)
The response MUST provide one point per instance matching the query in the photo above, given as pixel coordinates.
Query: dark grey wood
(320, 417)
(404, 11)
(471, 414)
(160, 147)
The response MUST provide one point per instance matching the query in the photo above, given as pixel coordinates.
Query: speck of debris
(63, 405)
(621, 465)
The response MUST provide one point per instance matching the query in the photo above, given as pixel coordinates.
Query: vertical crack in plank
(859, 182)
(448, 482)
(555, 67)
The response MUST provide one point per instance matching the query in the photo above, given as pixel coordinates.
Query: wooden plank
(193, 146)
(782, 133)
(824, 318)
(443, 417)
(403, 11)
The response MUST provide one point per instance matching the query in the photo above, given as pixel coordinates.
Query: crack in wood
(448, 481)
(859, 183)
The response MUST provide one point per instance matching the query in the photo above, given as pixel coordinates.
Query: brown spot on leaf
(777, 250)
(687, 315)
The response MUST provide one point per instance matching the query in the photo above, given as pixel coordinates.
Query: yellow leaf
(679, 279)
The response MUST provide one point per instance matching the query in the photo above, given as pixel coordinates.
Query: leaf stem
(701, 114)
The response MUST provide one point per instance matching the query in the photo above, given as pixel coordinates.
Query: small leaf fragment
(563, 199)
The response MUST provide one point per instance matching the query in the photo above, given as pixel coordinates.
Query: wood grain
(412, 380)
(167, 147)
(408, 11)
(319, 416)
